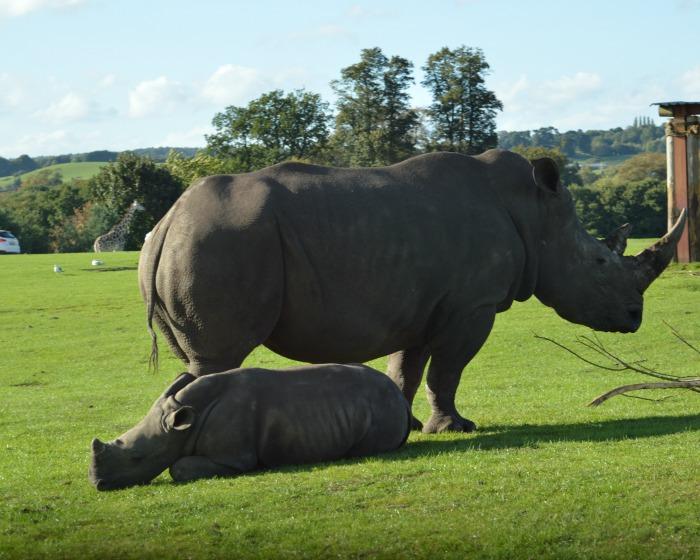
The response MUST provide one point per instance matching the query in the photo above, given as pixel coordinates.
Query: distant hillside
(590, 146)
(25, 163)
(157, 154)
(67, 171)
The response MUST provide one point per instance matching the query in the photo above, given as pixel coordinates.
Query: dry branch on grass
(616, 363)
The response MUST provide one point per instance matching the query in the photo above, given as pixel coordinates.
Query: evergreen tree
(463, 110)
(375, 124)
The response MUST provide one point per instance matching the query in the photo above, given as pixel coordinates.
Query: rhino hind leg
(406, 370)
(167, 332)
(188, 469)
(449, 357)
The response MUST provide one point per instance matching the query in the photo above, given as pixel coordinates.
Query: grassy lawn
(544, 477)
(82, 170)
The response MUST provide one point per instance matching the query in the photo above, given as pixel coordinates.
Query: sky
(84, 75)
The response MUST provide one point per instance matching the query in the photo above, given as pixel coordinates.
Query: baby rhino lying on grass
(228, 423)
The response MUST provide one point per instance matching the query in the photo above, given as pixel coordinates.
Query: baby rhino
(236, 421)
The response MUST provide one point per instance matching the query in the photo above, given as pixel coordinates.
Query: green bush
(641, 203)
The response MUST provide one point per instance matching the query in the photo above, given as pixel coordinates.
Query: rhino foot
(451, 423)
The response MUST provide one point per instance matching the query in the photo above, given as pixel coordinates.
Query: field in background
(544, 477)
(68, 171)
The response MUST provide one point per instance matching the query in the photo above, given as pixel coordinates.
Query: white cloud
(107, 81)
(528, 104)
(332, 31)
(690, 82)
(193, 137)
(70, 108)
(52, 142)
(231, 84)
(10, 92)
(572, 102)
(159, 96)
(16, 8)
(567, 88)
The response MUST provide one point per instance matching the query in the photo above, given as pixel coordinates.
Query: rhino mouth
(105, 485)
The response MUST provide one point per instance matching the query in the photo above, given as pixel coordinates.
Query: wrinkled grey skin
(413, 260)
(227, 423)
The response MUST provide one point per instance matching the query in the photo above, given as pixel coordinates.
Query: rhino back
(300, 415)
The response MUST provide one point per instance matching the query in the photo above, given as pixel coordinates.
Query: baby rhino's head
(147, 449)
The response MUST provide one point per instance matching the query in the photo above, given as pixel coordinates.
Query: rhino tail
(156, 240)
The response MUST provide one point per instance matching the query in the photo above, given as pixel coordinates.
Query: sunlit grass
(544, 477)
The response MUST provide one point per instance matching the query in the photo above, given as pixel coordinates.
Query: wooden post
(683, 172)
(693, 196)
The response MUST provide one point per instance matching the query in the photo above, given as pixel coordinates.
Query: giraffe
(115, 238)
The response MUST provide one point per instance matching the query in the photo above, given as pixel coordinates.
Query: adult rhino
(413, 260)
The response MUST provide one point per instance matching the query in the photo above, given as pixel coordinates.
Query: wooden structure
(683, 172)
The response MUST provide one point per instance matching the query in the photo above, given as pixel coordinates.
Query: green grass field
(82, 170)
(544, 477)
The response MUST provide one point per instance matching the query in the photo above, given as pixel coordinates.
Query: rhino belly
(350, 327)
(309, 432)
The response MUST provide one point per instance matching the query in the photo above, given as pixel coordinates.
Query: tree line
(373, 124)
(642, 136)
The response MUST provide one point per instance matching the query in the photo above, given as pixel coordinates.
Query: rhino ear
(546, 174)
(180, 419)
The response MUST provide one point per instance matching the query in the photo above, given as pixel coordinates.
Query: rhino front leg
(406, 370)
(196, 467)
(449, 358)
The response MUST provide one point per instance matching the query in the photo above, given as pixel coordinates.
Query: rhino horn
(652, 261)
(97, 446)
(617, 240)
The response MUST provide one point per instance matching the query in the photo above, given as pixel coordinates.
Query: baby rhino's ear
(180, 419)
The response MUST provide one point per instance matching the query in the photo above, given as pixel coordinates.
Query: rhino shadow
(531, 435)
(109, 269)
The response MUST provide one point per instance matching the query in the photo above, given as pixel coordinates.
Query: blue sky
(81, 75)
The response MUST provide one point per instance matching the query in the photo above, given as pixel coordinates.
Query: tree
(546, 137)
(508, 140)
(188, 169)
(375, 124)
(131, 178)
(463, 111)
(568, 143)
(642, 166)
(274, 127)
(40, 205)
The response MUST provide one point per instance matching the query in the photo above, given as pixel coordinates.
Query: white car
(8, 242)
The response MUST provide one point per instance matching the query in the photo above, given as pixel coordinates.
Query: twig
(638, 386)
(646, 398)
(680, 337)
(578, 355)
(594, 344)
